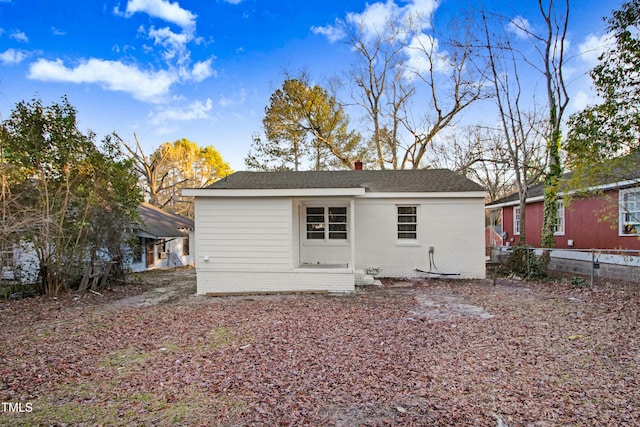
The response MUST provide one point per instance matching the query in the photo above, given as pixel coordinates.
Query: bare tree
(380, 87)
(550, 48)
(147, 167)
(479, 153)
(412, 84)
(454, 77)
(521, 130)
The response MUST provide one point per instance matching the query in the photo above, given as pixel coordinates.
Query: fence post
(593, 266)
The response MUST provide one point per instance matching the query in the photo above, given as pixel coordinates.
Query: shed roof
(156, 222)
(424, 180)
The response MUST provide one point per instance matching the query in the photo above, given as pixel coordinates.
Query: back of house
(330, 230)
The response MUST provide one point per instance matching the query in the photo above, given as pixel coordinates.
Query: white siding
(251, 245)
(236, 234)
(453, 227)
(291, 280)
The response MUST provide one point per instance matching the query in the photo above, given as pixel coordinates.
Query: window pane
(407, 219)
(315, 211)
(337, 235)
(407, 227)
(559, 226)
(338, 211)
(313, 218)
(407, 236)
(630, 211)
(315, 235)
(407, 210)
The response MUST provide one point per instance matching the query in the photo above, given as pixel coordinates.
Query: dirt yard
(433, 353)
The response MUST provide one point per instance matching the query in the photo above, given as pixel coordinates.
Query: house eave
(328, 192)
(273, 192)
(603, 187)
(426, 195)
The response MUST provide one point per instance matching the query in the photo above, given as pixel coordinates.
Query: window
(185, 246)
(326, 223)
(630, 211)
(338, 223)
(516, 220)
(408, 222)
(137, 250)
(559, 227)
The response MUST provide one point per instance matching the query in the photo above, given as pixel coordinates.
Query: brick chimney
(357, 165)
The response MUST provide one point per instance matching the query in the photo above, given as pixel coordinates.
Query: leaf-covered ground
(432, 353)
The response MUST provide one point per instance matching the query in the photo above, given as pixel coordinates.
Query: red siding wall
(590, 223)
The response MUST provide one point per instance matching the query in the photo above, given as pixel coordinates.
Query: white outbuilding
(263, 232)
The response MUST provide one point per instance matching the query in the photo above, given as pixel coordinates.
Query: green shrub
(525, 263)
(579, 282)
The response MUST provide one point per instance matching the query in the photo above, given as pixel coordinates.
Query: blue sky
(204, 69)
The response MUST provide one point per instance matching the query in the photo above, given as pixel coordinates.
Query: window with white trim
(630, 212)
(326, 222)
(558, 229)
(408, 222)
(516, 220)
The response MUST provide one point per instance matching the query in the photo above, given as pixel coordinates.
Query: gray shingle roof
(625, 169)
(425, 180)
(159, 223)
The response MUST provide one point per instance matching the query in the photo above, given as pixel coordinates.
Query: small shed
(330, 230)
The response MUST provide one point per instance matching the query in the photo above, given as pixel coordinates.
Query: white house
(329, 230)
(165, 240)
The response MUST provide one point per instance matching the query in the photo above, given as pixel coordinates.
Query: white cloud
(194, 111)
(13, 56)
(422, 54)
(422, 11)
(581, 100)
(233, 1)
(238, 100)
(166, 130)
(174, 44)
(19, 36)
(333, 33)
(593, 46)
(202, 70)
(519, 26)
(375, 18)
(163, 9)
(113, 75)
(58, 32)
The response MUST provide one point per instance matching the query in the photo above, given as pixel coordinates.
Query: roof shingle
(424, 180)
(160, 223)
